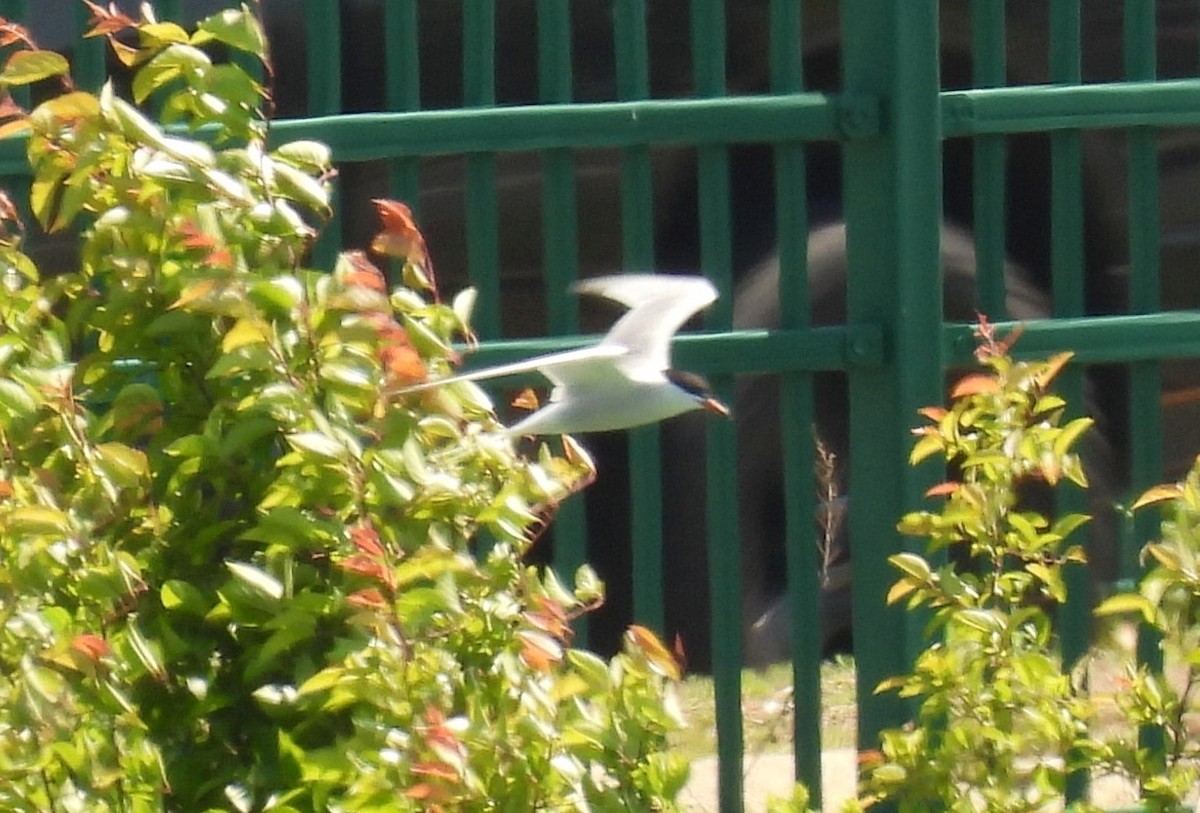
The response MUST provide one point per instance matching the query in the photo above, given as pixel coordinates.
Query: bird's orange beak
(716, 407)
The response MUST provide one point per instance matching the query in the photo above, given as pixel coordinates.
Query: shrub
(1001, 722)
(995, 703)
(236, 571)
(1160, 751)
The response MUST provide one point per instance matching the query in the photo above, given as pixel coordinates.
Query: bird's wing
(550, 365)
(659, 305)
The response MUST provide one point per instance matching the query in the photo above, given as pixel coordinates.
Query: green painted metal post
(88, 66)
(893, 212)
(637, 253)
(483, 219)
(1067, 282)
(323, 44)
(724, 557)
(989, 167)
(560, 251)
(1145, 412)
(402, 67)
(804, 567)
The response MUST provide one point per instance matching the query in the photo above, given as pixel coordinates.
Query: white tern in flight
(626, 379)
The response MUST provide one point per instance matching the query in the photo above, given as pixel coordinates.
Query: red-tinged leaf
(1158, 494)
(91, 646)
(364, 537)
(369, 599)
(220, 258)
(15, 34)
(437, 733)
(400, 236)
(370, 567)
(106, 21)
(975, 384)
(426, 792)
(437, 770)
(526, 399)
(680, 653)
(6, 489)
(402, 363)
(550, 618)
(194, 238)
(657, 655)
(870, 757)
(1011, 338)
(539, 651)
(362, 272)
(943, 489)
(10, 109)
(933, 413)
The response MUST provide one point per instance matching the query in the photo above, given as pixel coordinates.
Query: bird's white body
(623, 381)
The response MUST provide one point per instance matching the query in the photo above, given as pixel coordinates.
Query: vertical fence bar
(560, 246)
(1067, 269)
(637, 251)
(169, 9)
(1145, 380)
(804, 581)
(88, 68)
(402, 65)
(323, 41)
(483, 222)
(988, 194)
(724, 559)
(893, 211)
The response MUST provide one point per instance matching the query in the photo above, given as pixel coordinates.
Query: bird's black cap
(698, 386)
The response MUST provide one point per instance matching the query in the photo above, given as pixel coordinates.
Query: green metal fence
(892, 122)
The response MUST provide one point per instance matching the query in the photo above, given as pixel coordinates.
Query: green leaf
(986, 621)
(913, 566)
(592, 669)
(1165, 555)
(15, 399)
(69, 107)
(313, 156)
(161, 33)
(146, 652)
(259, 581)
(302, 188)
(133, 124)
(124, 466)
(180, 596)
(38, 520)
(430, 564)
(236, 28)
(1071, 433)
(1067, 524)
(277, 297)
(172, 62)
(317, 443)
(27, 67)
(928, 445)
(328, 678)
(1051, 577)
